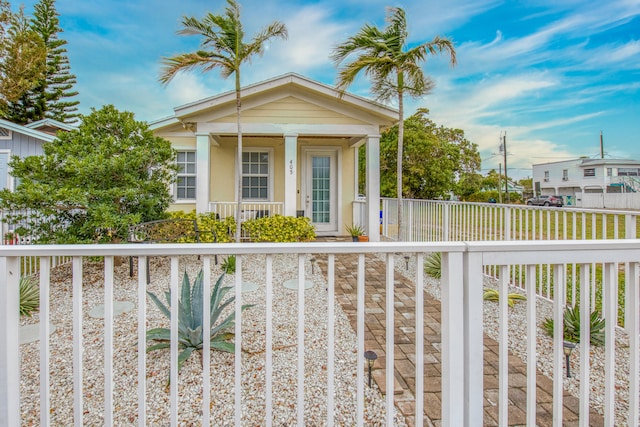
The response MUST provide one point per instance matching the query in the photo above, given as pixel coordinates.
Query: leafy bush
(191, 319)
(29, 295)
(433, 265)
(229, 265)
(494, 295)
(209, 225)
(280, 228)
(572, 326)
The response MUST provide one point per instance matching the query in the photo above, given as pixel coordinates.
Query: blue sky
(551, 74)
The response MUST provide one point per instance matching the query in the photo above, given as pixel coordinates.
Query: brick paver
(404, 350)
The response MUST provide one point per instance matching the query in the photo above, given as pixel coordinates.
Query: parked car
(545, 201)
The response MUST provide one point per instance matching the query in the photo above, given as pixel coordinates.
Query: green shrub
(280, 228)
(190, 319)
(210, 226)
(494, 295)
(433, 265)
(29, 295)
(229, 265)
(572, 326)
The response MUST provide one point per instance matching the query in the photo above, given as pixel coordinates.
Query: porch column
(290, 173)
(373, 187)
(203, 169)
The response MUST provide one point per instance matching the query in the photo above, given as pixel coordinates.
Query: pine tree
(22, 63)
(47, 99)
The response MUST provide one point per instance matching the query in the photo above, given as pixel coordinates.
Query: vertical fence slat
(558, 334)
(419, 340)
(390, 338)
(238, 343)
(142, 337)
(633, 308)
(108, 340)
(173, 372)
(9, 335)
(503, 347)
(530, 280)
(269, 342)
(585, 326)
(610, 288)
(300, 405)
(77, 341)
(360, 341)
(330, 338)
(206, 341)
(45, 329)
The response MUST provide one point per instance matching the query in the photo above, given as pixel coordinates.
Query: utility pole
(503, 150)
(601, 146)
(499, 183)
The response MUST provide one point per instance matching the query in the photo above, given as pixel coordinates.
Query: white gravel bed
(517, 321)
(125, 361)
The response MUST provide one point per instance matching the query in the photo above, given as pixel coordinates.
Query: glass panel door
(321, 189)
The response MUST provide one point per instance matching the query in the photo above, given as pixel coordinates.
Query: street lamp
(568, 348)
(371, 357)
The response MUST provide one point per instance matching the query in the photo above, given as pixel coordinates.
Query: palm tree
(393, 69)
(223, 47)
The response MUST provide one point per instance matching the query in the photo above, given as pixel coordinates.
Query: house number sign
(290, 167)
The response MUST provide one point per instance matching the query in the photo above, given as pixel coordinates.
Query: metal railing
(461, 350)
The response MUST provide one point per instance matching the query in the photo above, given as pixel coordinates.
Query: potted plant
(355, 231)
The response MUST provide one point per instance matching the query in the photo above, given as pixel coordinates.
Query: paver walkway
(404, 353)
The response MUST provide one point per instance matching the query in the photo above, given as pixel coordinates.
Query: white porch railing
(461, 352)
(250, 210)
(437, 221)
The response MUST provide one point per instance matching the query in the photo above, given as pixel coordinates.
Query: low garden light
(568, 347)
(370, 356)
(406, 262)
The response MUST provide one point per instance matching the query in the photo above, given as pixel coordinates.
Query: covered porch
(300, 142)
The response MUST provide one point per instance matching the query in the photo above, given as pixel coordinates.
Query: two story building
(575, 178)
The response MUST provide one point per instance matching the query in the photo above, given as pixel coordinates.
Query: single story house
(300, 153)
(23, 141)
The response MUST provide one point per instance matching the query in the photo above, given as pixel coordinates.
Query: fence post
(629, 233)
(452, 329)
(9, 342)
(473, 340)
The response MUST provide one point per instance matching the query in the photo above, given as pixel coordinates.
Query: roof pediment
(291, 99)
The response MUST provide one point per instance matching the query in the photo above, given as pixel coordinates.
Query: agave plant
(571, 319)
(433, 265)
(29, 295)
(494, 295)
(191, 319)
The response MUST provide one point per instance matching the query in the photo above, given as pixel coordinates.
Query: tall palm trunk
(400, 156)
(239, 162)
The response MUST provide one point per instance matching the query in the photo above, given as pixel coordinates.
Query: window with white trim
(256, 179)
(185, 187)
(546, 176)
(589, 172)
(565, 174)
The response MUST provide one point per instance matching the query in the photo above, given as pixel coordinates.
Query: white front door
(320, 188)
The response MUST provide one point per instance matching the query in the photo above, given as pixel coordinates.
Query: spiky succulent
(493, 295)
(191, 319)
(29, 295)
(572, 326)
(433, 265)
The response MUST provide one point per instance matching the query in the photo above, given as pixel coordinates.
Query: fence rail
(461, 350)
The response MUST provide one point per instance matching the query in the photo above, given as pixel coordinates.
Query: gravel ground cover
(190, 379)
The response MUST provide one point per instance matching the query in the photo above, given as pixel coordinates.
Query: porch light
(406, 262)
(370, 357)
(568, 348)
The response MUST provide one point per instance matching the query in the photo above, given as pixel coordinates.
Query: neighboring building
(23, 141)
(567, 178)
(300, 145)
(578, 177)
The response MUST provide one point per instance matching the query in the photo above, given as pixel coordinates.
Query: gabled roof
(50, 123)
(387, 114)
(27, 131)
